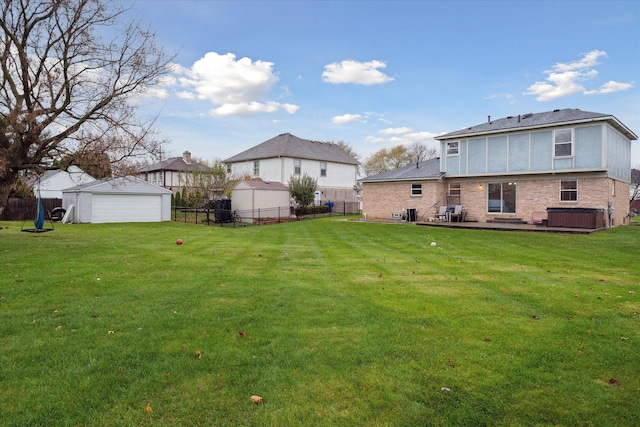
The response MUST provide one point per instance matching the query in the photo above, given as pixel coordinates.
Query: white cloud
(350, 71)
(235, 87)
(346, 118)
(566, 79)
(252, 108)
(611, 87)
(395, 131)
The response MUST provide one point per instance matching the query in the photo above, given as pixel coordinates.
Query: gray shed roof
(287, 145)
(539, 120)
(429, 169)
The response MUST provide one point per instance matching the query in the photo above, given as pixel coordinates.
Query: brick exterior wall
(381, 200)
(533, 196)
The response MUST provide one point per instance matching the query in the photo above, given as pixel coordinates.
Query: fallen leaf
(198, 354)
(624, 338)
(447, 389)
(256, 399)
(58, 327)
(614, 382)
(242, 333)
(111, 332)
(148, 408)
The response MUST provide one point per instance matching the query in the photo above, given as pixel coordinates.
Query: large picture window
(569, 190)
(501, 197)
(563, 143)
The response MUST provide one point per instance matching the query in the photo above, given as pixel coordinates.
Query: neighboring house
(173, 173)
(53, 182)
(634, 192)
(255, 198)
(126, 199)
(286, 155)
(516, 168)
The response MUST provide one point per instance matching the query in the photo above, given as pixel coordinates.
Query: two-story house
(173, 173)
(286, 155)
(517, 167)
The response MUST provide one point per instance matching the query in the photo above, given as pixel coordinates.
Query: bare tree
(70, 73)
(420, 152)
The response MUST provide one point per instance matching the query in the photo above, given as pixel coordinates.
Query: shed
(255, 198)
(125, 199)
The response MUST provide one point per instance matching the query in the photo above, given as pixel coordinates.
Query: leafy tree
(71, 71)
(303, 189)
(388, 159)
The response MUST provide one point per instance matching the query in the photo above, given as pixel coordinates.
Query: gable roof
(259, 184)
(177, 164)
(287, 145)
(429, 169)
(123, 185)
(539, 120)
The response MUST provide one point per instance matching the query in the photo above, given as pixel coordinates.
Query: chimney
(186, 156)
(488, 119)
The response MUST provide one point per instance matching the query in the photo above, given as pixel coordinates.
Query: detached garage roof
(122, 185)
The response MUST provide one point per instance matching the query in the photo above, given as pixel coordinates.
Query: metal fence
(263, 216)
(24, 209)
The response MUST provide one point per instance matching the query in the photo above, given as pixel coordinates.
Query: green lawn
(332, 322)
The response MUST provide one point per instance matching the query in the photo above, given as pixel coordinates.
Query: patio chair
(442, 213)
(456, 215)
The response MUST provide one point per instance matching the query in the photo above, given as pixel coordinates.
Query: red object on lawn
(179, 242)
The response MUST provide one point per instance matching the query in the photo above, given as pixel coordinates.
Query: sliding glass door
(501, 197)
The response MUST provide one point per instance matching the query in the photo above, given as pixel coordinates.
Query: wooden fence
(24, 209)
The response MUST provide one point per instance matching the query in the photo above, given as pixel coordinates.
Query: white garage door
(126, 208)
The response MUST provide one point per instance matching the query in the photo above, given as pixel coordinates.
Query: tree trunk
(7, 178)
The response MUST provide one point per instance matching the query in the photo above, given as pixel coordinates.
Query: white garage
(125, 199)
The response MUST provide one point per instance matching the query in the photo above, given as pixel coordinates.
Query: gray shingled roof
(287, 145)
(538, 120)
(429, 169)
(174, 164)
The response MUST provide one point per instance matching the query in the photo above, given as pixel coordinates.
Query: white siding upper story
(592, 147)
(280, 169)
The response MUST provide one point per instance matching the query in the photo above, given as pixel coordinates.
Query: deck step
(508, 221)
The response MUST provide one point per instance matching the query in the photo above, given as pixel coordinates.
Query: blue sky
(378, 73)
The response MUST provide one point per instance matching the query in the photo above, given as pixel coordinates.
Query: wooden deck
(508, 227)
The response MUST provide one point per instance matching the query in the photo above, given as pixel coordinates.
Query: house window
(569, 190)
(452, 148)
(454, 189)
(501, 197)
(297, 166)
(416, 189)
(229, 168)
(323, 168)
(563, 143)
(256, 168)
